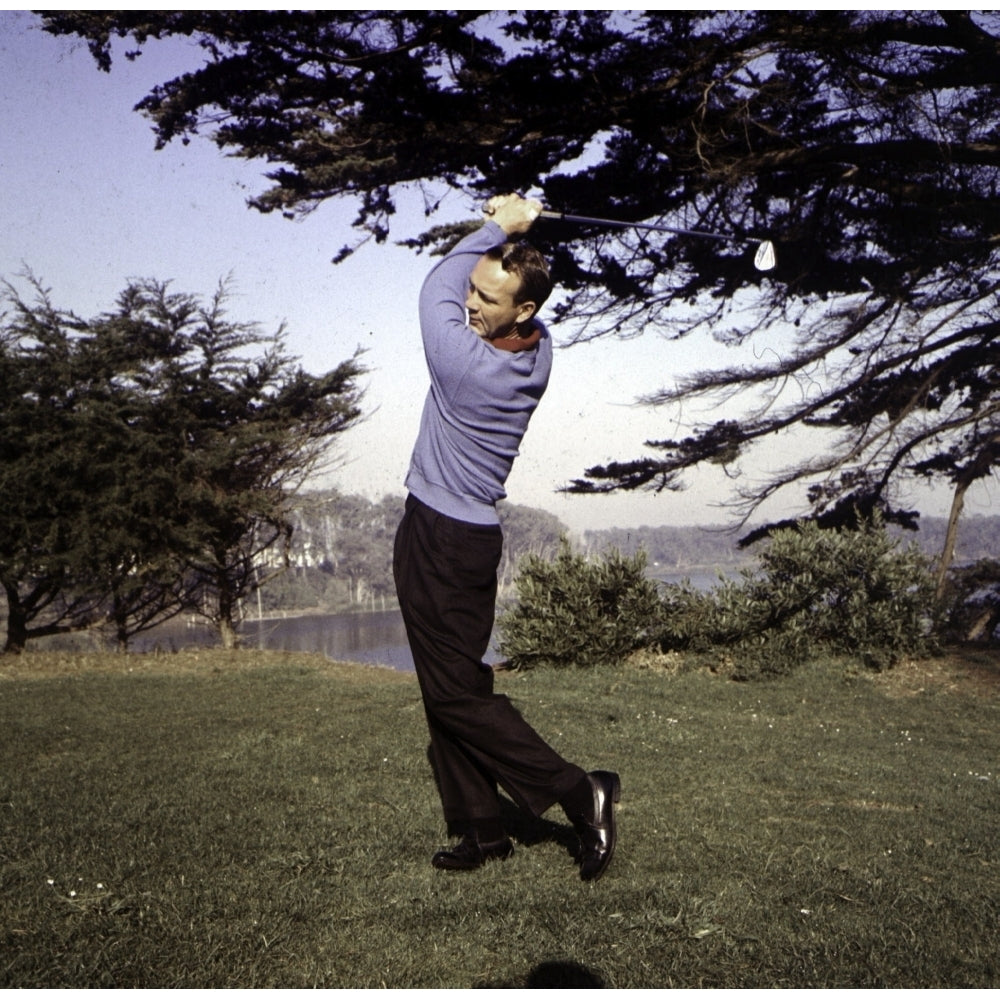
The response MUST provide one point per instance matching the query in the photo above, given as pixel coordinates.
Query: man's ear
(525, 310)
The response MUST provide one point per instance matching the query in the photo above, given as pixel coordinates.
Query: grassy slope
(257, 820)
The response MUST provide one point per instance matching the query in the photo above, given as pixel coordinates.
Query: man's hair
(530, 266)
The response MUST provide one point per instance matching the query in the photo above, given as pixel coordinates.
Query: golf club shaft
(587, 220)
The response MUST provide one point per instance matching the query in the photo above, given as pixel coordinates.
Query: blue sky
(89, 203)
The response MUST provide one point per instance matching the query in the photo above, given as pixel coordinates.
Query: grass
(263, 820)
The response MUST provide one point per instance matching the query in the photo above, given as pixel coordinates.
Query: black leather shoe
(598, 833)
(469, 854)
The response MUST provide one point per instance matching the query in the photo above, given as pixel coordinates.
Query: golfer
(489, 359)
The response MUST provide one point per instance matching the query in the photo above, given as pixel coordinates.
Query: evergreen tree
(36, 537)
(865, 143)
(149, 460)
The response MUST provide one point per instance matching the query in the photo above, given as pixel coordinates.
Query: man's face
(492, 310)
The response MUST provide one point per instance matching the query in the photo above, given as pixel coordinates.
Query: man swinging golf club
(489, 359)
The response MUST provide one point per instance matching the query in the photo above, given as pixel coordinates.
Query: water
(377, 637)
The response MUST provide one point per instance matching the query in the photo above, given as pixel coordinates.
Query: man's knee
(454, 704)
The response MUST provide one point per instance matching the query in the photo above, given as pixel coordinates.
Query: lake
(377, 637)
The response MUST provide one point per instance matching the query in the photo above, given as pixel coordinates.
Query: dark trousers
(446, 581)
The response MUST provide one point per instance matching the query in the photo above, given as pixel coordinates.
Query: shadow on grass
(555, 976)
(529, 831)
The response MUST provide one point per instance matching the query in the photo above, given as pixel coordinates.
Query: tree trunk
(17, 622)
(227, 634)
(984, 626)
(120, 618)
(225, 619)
(951, 535)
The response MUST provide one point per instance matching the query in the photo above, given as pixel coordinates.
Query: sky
(89, 203)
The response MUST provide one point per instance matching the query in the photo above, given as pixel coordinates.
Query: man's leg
(468, 791)
(446, 581)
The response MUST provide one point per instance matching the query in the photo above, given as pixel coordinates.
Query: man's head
(507, 287)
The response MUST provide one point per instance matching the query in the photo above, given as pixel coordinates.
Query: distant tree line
(339, 555)
(670, 547)
(149, 460)
(340, 552)
(684, 547)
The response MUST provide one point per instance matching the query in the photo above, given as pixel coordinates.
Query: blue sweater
(480, 399)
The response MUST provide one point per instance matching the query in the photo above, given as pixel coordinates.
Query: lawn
(264, 819)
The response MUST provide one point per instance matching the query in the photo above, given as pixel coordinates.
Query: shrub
(973, 602)
(575, 612)
(840, 591)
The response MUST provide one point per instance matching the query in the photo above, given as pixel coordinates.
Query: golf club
(764, 259)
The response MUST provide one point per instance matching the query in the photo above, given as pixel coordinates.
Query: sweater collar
(518, 343)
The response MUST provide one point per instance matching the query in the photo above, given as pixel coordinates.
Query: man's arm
(443, 295)
(442, 299)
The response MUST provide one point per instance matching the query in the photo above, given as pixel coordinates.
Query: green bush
(839, 591)
(575, 612)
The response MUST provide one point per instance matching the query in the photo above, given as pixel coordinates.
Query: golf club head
(765, 259)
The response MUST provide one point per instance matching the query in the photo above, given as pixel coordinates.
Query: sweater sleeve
(450, 345)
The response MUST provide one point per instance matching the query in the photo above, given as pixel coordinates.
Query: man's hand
(512, 213)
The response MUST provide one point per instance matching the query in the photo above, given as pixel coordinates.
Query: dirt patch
(962, 671)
